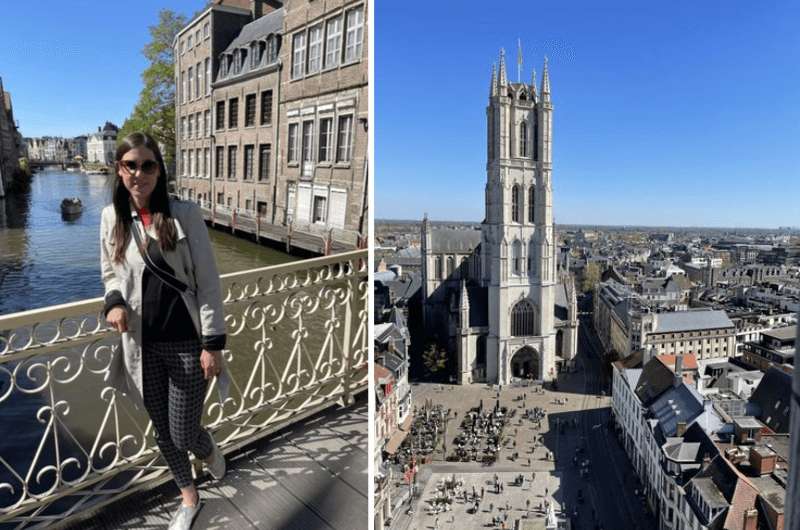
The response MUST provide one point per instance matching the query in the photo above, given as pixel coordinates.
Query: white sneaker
(184, 516)
(216, 462)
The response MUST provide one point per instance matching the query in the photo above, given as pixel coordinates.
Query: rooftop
(691, 321)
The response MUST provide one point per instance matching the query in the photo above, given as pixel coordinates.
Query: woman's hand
(211, 362)
(117, 317)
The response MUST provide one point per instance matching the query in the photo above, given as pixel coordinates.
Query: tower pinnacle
(502, 82)
(545, 82)
(533, 83)
(493, 86)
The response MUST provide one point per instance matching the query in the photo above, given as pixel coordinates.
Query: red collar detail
(146, 216)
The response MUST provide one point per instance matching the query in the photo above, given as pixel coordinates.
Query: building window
(345, 138)
(184, 163)
(220, 115)
(208, 76)
(522, 319)
(207, 120)
(264, 151)
(207, 163)
(205, 31)
(438, 271)
(184, 128)
(516, 257)
(272, 48)
(451, 263)
(249, 153)
(232, 152)
(333, 42)
(308, 141)
(319, 209)
(189, 130)
(515, 204)
(298, 54)
(531, 204)
(523, 139)
(220, 162)
(250, 110)
(254, 55)
(183, 87)
(197, 163)
(220, 198)
(354, 34)
(198, 79)
(266, 107)
(191, 78)
(325, 139)
(291, 144)
(315, 49)
(233, 113)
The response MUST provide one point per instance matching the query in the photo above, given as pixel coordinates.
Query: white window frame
(298, 54)
(314, 49)
(348, 137)
(354, 34)
(333, 42)
(291, 143)
(326, 147)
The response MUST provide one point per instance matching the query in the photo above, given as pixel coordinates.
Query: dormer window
(262, 47)
(254, 55)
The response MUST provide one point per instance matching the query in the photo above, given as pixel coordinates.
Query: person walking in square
(163, 294)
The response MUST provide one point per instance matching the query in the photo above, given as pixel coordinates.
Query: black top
(164, 313)
(165, 317)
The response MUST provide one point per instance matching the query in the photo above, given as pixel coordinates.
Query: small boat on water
(71, 206)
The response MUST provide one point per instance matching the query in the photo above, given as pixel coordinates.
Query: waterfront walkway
(311, 475)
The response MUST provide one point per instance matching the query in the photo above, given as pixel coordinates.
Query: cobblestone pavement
(579, 404)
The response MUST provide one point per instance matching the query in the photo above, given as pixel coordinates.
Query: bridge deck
(311, 475)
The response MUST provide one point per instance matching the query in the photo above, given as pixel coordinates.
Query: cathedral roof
(448, 240)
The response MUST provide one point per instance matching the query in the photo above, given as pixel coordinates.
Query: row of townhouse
(394, 407)
(272, 113)
(700, 467)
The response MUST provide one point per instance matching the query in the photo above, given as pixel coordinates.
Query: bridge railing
(70, 444)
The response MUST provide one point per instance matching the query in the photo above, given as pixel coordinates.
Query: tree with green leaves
(591, 276)
(154, 112)
(434, 358)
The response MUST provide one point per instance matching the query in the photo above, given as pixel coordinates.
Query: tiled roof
(444, 240)
(772, 396)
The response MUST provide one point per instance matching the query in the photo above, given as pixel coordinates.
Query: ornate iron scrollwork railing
(69, 444)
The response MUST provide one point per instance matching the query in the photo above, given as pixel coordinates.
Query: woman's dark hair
(159, 200)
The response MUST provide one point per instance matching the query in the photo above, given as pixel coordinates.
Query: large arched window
(523, 139)
(522, 319)
(450, 265)
(515, 203)
(532, 258)
(438, 268)
(516, 257)
(531, 203)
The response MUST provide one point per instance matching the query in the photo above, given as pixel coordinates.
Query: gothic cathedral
(497, 297)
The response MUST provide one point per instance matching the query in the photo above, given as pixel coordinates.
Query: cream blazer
(193, 263)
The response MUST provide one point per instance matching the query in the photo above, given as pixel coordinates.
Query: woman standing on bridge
(162, 292)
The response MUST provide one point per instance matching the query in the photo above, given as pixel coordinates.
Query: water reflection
(46, 260)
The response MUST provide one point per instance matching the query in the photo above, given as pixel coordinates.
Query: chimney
(750, 520)
(678, 369)
(681, 428)
(256, 8)
(762, 461)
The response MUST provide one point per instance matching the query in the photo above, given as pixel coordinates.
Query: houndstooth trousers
(173, 390)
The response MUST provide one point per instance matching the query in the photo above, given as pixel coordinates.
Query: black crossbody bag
(161, 274)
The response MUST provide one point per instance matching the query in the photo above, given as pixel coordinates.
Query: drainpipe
(276, 138)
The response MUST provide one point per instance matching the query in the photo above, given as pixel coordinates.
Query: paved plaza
(525, 501)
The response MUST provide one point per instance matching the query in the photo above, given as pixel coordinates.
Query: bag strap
(161, 274)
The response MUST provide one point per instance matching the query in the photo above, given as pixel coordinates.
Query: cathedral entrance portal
(525, 363)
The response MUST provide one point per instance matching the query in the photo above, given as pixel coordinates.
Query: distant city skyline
(678, 115)
(70, 67)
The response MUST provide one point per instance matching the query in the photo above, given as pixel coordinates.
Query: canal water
(46, 260)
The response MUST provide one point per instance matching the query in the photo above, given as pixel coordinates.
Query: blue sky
(681, 113)
(70, 66)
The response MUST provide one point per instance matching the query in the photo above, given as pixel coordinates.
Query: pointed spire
(502, 81)
(464, 300)
(533, 84)
(545, 82)
(493, 87)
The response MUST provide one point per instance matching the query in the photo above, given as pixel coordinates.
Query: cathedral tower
(517, 240)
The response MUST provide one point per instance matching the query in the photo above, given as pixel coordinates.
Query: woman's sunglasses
(148, 166)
